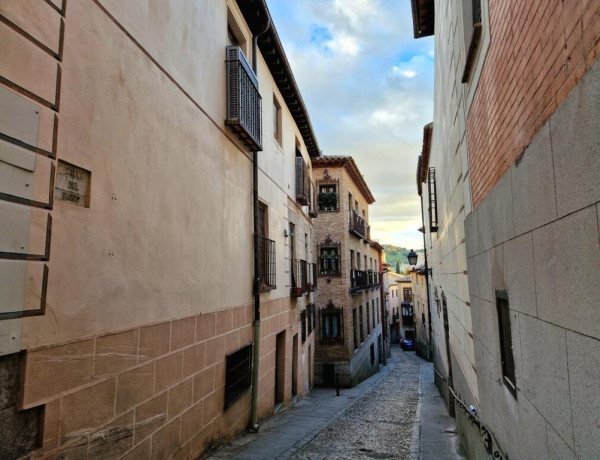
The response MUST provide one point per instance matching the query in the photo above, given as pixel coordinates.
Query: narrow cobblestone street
(396, 414)
(380, 424)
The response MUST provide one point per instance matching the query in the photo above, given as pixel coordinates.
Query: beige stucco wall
(170, 213)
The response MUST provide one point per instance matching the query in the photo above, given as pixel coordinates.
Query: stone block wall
(536, 234)
(156, 390)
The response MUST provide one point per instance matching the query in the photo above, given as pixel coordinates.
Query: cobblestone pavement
(380, 424)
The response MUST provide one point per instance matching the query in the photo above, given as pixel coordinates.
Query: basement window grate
(238, 372)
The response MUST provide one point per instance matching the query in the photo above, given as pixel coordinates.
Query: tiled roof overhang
(257, 17)
(349, 165)
(423, 17)
(376, 245)
(423, 162)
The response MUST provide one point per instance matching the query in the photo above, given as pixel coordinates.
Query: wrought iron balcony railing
(302, 182)
(243, 99)
(358, 280)
(357, 225)
(267, 273)
(299, 277)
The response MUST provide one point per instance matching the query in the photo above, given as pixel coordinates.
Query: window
(506, 351)
(267, 272)
(354, 332)
(361, 324)
(243, 114)
(407, 292)
(358, 260)
(309, 317)
(303, 325)
(373, 312)
(351, 259)
(277, 120)
(368, 319)
(331, 325)
(433, 211)
(472, 29)
(238, 371)
(329, 258)
(328, 198)
(372, 354)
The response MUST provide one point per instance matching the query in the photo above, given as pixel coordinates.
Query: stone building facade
(418, 282)
(348, 300)
(126, 209)
(515, 132)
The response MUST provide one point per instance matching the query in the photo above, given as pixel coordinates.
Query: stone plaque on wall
(72, 184)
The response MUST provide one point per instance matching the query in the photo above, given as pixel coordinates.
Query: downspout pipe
(383, 310)
(256, 324)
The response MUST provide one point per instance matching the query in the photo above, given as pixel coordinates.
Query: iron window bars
(267, 270)
(299, 277)
(433, 211)
(332, 331)
(506, 352)
(244, 114)
(328, 197)
(329, 258)
(238, 372)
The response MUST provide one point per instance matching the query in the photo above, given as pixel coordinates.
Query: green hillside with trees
(397, 257)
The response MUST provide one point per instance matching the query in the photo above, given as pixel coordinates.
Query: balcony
(357, 225)
(266, 263)
(299, 277)
(243, 99)
(359, 281)
(302, 182)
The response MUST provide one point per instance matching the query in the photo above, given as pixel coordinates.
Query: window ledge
(472, 53)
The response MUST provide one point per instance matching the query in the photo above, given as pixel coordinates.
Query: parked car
(408, 344)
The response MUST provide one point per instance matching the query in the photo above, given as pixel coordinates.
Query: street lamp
(412, 260)
(412, 257)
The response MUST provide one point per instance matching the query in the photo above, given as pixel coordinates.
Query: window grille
(354, 328)
(433, 211)
(243, 99)
(331, 325)
(238, 372)
(506, 352)
(329, 258)
(361, 324)
(303, 321)
(267, 272)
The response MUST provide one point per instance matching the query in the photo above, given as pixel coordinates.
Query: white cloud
(368, 87)
(343, 44)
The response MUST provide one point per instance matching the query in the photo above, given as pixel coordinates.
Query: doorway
(295, 366)
(279, 368)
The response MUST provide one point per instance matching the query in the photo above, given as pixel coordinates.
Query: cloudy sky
(368, 86)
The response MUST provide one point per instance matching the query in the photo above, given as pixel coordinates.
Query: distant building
(418, 282)
(348, 300)
(400, 303)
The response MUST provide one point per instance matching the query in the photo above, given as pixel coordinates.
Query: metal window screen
(238, 372)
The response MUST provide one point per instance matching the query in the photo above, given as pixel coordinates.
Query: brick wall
(539, 50)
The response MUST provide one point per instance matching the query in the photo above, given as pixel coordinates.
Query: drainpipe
(256, 325)
(429, 350)
(382, 308)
